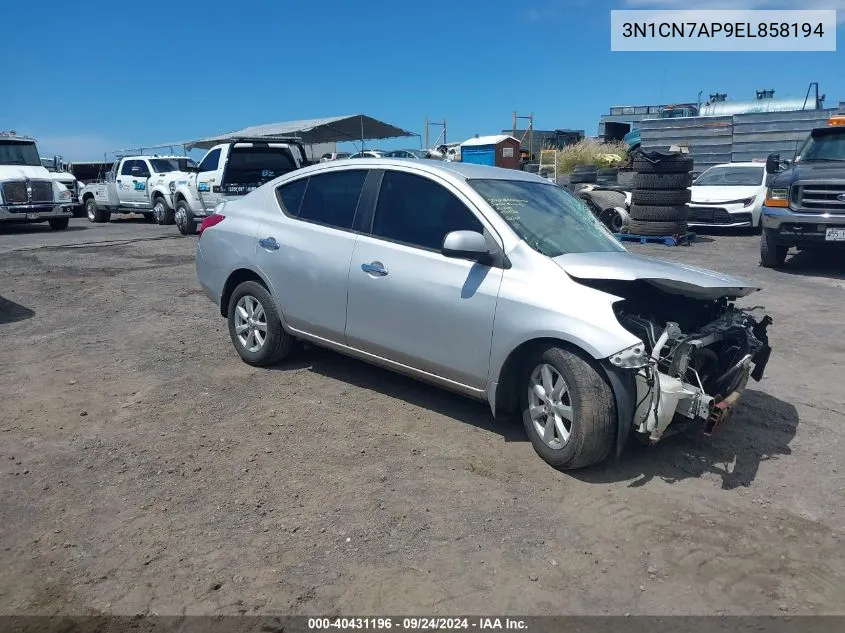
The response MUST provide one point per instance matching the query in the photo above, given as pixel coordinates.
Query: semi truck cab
(805, 201)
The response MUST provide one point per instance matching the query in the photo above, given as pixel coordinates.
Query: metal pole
(514, 123)
(362, 132)
(426, 133)
(444, 132)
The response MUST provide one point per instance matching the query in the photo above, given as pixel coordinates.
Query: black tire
(582, 177)
(593, 426)
(161, 212)
(662, 181)
(653, 213)
(598, 201)
(772, 254)
(58, 224)
(278, 343)
(531, 168)
(660, 197)
(607, 172)
(678, 164)
(94, 213)
(640, 227)
(185, 221)
(150, 218)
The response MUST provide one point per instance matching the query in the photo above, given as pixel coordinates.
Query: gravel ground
(145, 469)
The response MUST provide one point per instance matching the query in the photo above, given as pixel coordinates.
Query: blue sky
(184, 70)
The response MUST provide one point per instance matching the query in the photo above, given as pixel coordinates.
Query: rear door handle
(269, 243)
(374, 268)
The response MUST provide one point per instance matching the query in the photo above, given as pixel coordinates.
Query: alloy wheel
(550, 406)
(250, 323)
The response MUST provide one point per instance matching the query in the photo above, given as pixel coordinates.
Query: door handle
(269, 243)
(374, 268)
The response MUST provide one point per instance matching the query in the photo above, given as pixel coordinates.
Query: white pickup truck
(28, 193)
(230, 170)
(137, 184)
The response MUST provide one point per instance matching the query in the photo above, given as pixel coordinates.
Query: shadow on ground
(414, 392)
(35, 227)
(830, 264)
(760, 429)
(10, 312)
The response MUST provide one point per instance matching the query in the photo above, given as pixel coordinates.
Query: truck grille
(823, 198)
(15, 192)
(22, 192)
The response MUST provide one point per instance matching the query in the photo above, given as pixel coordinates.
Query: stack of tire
(660, 194)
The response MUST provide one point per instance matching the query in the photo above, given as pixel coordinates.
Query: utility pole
(529, 132)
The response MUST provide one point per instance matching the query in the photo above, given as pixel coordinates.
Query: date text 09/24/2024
(417, 623)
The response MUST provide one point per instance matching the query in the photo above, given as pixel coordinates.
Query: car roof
(463, 171)
(745, 164)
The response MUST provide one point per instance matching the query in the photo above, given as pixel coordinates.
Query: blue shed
(500, 150)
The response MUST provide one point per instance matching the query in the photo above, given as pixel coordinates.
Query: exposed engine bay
(699, 353)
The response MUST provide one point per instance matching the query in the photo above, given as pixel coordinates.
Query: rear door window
(332, 198)
(126, 168)
(211, 161)
(419, 212)
(290, 196)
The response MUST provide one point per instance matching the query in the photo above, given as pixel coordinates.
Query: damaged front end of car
(698, 350)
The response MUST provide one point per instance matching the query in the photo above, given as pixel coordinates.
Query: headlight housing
(748, 202)
(172, 186)
(633, 357)
(777, 197)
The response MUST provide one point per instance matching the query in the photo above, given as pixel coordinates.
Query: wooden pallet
(668, 240)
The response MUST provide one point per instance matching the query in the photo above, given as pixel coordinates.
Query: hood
(22, 172)
(811, 171)
(62, 176)
(709, 193)
(673, 278)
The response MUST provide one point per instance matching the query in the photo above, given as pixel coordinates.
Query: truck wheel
(58, 224)
(567, 408)
(184, 219)
(255, 327)
(162, 213)
(772, 254)
(94, 214)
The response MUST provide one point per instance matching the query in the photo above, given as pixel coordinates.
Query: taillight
(209, 221)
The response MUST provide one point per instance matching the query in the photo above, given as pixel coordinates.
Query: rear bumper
(31, 212)
(801, 229)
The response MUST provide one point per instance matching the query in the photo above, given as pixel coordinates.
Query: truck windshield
(162, 165)
(826, 144)
(731, 177)
(17, 153)
(257, 165)
(546, 217)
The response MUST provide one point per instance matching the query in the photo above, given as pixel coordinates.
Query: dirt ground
(145, 469)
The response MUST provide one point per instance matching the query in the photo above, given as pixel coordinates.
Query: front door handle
(269, 243)
(374, 268)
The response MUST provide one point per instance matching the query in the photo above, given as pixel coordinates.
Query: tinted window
(257, 165)
(210, 162)
(142, 170)
(420, 212)
(332, 198)
(13, 153)
(126, 169)
(290, 196)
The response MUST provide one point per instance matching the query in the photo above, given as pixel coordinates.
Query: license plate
(32, 216)
(835, 235)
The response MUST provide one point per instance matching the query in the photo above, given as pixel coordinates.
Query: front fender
(185, 192)
(165, 193)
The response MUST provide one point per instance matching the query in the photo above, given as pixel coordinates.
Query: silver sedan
(490, 282)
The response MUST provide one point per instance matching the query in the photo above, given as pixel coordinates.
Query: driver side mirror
(466, 245)
(773, 164)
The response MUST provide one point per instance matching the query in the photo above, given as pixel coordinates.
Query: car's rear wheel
(58, 224)
(184, 219)
(567, 409)
(772, 254)
(95, 214)
(255, 328)
(162, 213)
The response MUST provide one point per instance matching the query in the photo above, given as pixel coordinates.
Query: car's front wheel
(161, 212)
(185, 221)
(567, 408)
(772, 254)
(255, 328)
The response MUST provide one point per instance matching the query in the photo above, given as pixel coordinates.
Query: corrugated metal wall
(741, 137)
(758, 135)
(709, 139)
